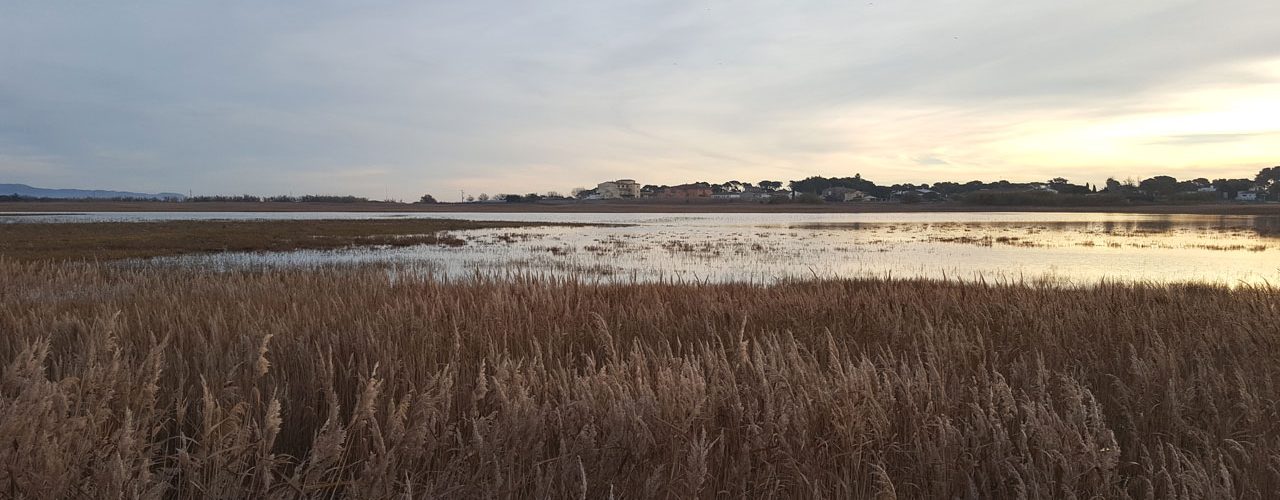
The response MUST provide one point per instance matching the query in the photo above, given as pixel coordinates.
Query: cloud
(1202, 139)
(927, 160)
(257, 97)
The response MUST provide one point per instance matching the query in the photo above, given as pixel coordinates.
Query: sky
(393, 99)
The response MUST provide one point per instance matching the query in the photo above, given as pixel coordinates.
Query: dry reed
(351, 383)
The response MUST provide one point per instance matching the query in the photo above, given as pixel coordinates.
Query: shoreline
(37, 208)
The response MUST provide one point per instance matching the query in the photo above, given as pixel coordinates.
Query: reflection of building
(687, 191)
(621, 188)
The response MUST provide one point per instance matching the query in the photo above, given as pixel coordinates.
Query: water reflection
(1268, 227)
(1078, 248)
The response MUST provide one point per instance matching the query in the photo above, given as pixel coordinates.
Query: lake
(1072, 248)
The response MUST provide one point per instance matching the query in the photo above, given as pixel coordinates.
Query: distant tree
(483, 197)
(578, 190)
(947, 188)
(810, 185)
(1062, 185)
(470, 198)
(553, 194)
(1269, 179)
(770, 185)
(1160, 185)
(817, 185)
(1189, 186)
(1231, 187)
(323, 198)
(426, 198)
(224, 198)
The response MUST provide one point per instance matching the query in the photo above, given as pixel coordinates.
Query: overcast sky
(382, 98)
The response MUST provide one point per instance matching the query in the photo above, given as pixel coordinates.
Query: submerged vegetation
(365, 383)
(121, 240)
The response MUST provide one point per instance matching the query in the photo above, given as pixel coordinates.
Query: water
(1076, 248)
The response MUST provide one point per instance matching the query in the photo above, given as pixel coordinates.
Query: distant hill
(75, 194)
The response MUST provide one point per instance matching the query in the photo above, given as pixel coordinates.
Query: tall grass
(349, 383)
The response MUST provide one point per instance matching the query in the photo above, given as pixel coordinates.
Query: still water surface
(1077, 248)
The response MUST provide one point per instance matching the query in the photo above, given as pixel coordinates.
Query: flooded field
(1073, 248)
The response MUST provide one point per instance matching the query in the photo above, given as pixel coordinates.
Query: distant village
(1263, 187)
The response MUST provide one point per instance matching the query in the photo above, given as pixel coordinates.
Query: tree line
(1267, 182)
(1058, 190)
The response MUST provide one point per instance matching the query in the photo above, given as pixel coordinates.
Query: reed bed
(364, 383)
(135, 240)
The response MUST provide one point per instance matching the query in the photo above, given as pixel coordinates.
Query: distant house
(687, 191)
(1207, 189)
(836, 193)
(619, 189)
(1248, 196)
(845, 194)
(857, 196)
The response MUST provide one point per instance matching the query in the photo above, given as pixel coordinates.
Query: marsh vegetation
(365, 383)
(557, 369)
(1082, 248)
(121, 240)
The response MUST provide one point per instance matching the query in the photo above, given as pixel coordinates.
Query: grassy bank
(312, 383)
(119, 240)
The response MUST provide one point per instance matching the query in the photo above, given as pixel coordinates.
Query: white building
(621, 188)
(1247, 196)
